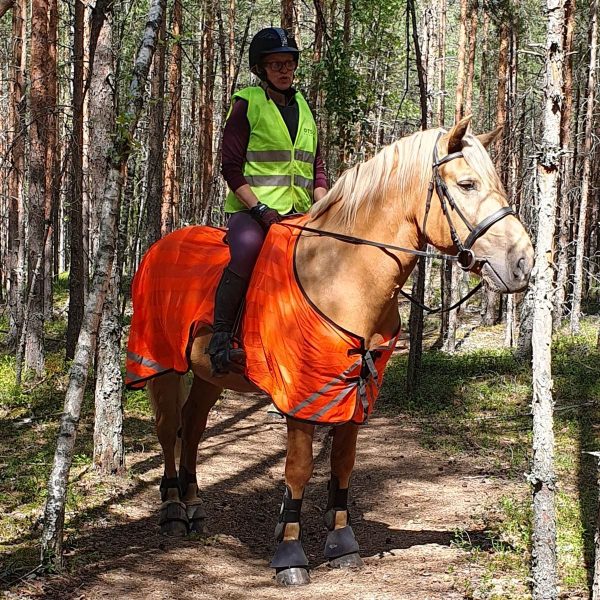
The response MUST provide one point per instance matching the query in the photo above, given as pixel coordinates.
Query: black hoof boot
(173, 518)
(188, 490)
(196, 519)
(292, 576)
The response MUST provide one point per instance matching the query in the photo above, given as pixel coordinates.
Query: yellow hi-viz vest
(280, 171)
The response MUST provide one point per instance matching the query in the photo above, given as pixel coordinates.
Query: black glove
(265, 216)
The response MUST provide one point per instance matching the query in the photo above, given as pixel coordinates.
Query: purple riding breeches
(245, 238)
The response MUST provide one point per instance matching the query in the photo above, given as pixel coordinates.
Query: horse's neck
(356, 285)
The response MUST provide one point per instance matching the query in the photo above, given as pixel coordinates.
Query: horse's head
(471, 216)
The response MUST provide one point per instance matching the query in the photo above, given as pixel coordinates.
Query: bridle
(465, 257)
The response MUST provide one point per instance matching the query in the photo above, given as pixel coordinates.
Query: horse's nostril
(522, 269)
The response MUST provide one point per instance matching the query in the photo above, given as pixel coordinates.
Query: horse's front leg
(341, 547)
(289, 561)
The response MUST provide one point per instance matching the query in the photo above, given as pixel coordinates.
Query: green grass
(479, 403)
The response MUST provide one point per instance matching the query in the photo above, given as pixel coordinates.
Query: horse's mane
(402, 168)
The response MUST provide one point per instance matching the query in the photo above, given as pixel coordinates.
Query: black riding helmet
(270, 41)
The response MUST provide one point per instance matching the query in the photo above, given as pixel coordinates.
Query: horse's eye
(467, 185)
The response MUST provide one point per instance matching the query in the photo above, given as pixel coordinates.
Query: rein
(465, 257)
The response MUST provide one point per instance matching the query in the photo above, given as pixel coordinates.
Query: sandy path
(407, 502)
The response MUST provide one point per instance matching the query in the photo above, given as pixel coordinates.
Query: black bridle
(465, 257)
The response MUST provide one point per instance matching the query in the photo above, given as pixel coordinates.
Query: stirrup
(224, 358)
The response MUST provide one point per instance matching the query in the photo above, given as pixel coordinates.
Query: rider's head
(273, 56)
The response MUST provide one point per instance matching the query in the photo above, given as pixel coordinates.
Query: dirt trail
(408, 503)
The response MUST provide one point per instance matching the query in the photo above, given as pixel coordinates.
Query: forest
(111, 121)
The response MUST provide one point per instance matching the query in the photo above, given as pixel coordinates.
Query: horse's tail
(171, 387)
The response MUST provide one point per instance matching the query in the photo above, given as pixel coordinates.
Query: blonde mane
(403, 168)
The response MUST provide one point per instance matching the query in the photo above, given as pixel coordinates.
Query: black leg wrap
(184, 479)
(289, 513)
(340, 542)
(337, 501)
(167, 483)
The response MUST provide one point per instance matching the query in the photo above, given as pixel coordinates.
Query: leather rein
(465, 257)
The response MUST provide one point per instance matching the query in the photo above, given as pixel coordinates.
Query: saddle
(313, 369)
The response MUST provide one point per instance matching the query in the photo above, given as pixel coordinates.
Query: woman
(273, 167)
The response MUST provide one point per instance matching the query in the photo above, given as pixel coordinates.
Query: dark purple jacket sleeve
(236, 135)
(235, 142)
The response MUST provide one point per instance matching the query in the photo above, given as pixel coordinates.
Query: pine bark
(460, 71)
(287, 15)
(109, 454)
(587, 172)
(51, 549)
(16, 227)
(542, 476)
(172, 191)
(154, 174)
(76, 245)
(38, 133)
(565, 183)
(471, 58)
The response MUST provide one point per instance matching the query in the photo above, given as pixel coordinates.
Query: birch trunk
(542, 477)
(51, 546)
(586, 175)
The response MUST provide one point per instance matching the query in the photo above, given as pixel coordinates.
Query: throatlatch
(289, 553)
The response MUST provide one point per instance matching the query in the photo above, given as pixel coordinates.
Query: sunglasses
(290, 65)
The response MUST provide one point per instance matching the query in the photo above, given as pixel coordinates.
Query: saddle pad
(312, 369)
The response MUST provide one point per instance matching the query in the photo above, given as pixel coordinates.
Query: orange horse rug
(313, 369)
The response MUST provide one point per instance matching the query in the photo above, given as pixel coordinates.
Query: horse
(353, 254)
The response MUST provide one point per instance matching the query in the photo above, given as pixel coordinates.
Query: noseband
(465, 257)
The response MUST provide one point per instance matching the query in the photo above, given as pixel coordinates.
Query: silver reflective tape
(331, 404)
(269, 180)
(145, 362)
(304, 156)
(268, 156)
(325, 388)
(303, 182)
(372, 369)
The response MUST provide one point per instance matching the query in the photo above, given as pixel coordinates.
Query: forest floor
(440, 506)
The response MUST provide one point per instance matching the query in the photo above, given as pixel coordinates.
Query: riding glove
(265, 216)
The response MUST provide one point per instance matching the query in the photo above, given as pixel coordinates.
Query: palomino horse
(433, 187)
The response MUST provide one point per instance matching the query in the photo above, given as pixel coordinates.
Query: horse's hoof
(349, 561)
(173, 520)
(197, 519)
(292, 576)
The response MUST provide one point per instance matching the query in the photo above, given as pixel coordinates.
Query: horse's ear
(457, 133)
(487, 138)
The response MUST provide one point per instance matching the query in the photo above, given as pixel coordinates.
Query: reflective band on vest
(280, 173)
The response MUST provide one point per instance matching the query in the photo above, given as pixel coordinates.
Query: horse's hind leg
(167, 395)
(289, 560)
(201, 399)
(341, 547)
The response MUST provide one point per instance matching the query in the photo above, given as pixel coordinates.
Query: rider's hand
(265, 216)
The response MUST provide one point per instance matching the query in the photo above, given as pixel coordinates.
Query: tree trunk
(586, 175)
(154, 174)
(565, 182)
(16, 228)
(542, 477)
(38, 132)
(460, 72)
(77, 266)
(108, 422)
(51, 549)
(442, 69)
(471, 58)
(171, 192)
(287, 15)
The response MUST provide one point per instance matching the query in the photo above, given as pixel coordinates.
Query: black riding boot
(228, 299)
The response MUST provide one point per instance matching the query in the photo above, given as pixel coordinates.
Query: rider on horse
(273, 167)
